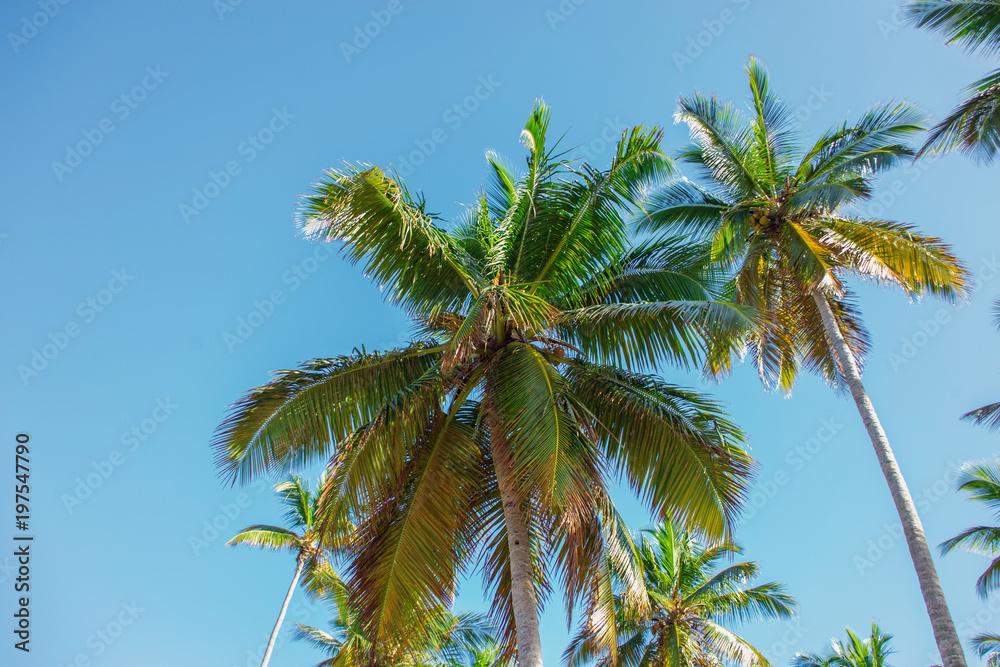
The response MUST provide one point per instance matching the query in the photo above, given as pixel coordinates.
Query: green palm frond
(675, 447)
(973, 23)
(295, 418)
(267, 537)
(416, 262)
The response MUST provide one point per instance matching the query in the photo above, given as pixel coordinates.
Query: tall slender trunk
(522, 580)
(300, 562)
(944, 629)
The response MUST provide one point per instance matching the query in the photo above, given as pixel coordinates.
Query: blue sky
(154, 153)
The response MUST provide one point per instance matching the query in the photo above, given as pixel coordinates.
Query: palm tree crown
(491, 438)
(778, 218)
(779, 222)
(689, 601)
(855, 652)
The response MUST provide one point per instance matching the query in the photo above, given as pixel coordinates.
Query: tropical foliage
(855, 652)
(690, 601)
(492, 438)
(982, 481)
(974, 125)
(312, 546)
(439, 639)
(780, 224)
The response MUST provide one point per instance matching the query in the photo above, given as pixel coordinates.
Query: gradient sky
(153, 155)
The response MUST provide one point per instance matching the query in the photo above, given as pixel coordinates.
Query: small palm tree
(973, 126)
(442, 638)
(982, 480)
(780, 223)
(302, 512)
(689, 601)
(856, 652)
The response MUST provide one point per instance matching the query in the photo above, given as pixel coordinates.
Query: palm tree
(982, 481)
(301, 512)
(688, 601)
(778, 221)
(491, 438)
(872, 652)
(973, 126)
(444, 639)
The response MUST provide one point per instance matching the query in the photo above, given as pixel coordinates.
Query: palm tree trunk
(300, 561)
(941, 622)
(522, 580)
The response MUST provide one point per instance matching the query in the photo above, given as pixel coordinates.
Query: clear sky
(152, 158)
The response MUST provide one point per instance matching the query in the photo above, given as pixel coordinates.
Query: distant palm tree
(779, 220)
(438, 639)
(856, 652)
(302, 512)
(982, 480)
(494, 436)
(690, 600)
(973, 126)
